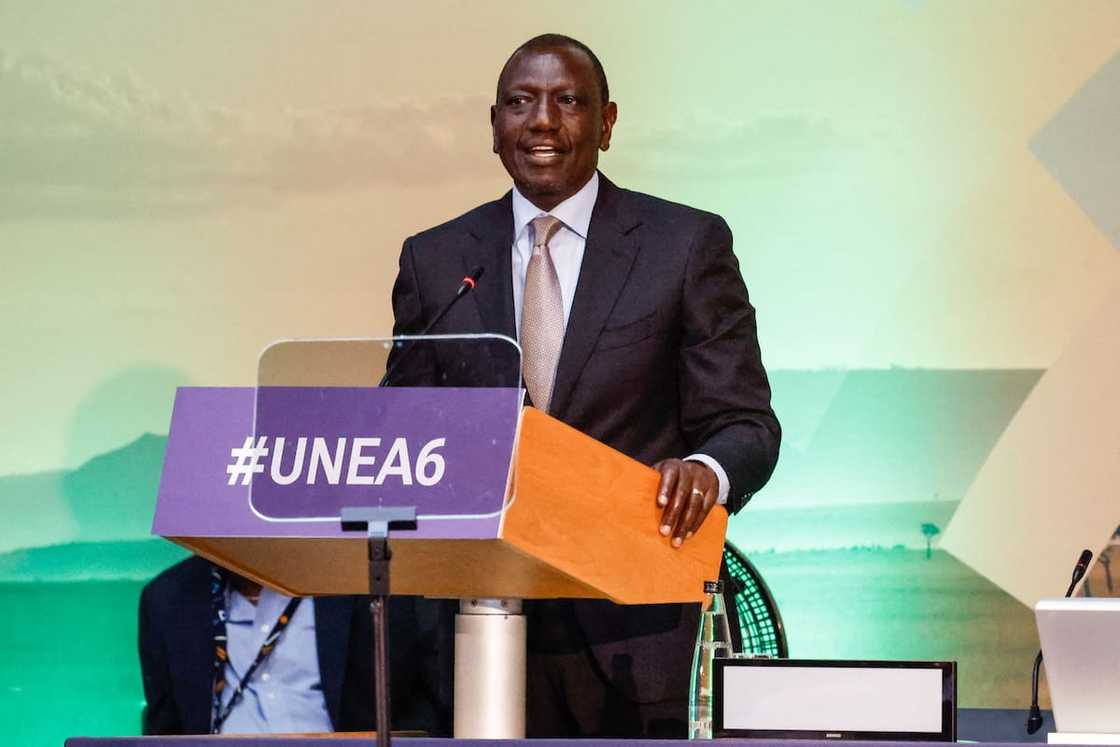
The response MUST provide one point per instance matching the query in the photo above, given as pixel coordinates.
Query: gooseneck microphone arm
(465, 287)
(1034, 718)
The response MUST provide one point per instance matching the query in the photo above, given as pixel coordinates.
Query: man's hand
(687, 492)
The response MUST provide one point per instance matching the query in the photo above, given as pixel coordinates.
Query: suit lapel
(492, 231)
(608, 256)
(332, 639)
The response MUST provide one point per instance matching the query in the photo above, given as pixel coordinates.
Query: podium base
(490, 641)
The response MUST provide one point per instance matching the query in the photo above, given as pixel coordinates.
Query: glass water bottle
(713, 641)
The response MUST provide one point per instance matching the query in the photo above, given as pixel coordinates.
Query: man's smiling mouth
(543, 153)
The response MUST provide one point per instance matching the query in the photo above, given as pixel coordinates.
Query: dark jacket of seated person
(317, 677)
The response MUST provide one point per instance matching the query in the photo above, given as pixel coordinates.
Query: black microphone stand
(376, 522)
(1034, 716)
(465, 287)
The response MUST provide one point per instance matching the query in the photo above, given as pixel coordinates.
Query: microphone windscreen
(1085, 559)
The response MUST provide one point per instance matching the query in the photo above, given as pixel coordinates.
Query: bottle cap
(713, 587)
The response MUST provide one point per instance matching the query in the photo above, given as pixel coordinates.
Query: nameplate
(828, 699)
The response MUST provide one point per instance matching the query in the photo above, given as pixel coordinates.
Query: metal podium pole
(490, 646)
(376, 522)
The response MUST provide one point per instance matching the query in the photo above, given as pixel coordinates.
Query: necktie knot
(544, 228)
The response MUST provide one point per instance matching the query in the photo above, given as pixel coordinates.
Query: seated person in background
(307, 664)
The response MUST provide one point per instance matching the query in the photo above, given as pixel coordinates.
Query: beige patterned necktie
(542, 315)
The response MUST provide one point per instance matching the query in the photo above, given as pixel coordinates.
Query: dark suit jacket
(660, 359)
(176, 656)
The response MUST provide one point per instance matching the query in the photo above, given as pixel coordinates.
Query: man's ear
(493, 132)
(610, 116)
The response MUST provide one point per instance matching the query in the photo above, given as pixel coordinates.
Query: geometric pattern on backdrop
(1025, 518)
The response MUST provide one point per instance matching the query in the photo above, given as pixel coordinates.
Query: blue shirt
(286, 692)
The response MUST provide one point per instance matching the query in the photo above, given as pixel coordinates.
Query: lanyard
(218, 714)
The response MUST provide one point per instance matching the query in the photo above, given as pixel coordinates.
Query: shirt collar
(574, 212)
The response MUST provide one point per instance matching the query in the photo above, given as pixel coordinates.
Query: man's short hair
(552, 41)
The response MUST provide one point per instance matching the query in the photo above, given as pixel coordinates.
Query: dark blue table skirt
(419, 742)
(993, 726)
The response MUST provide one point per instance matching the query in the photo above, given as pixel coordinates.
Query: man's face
(550, 123)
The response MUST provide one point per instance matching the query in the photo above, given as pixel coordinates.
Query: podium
(512, 504)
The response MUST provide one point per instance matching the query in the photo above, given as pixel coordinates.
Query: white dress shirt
(566, 249)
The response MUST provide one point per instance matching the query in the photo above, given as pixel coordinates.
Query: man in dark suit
(636, 329)
(319, 676)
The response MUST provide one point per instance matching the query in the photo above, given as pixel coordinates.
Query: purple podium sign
(284, 461)
(444, 451)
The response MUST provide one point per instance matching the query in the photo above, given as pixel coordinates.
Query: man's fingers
(695, 505)
(709, 501)
(669, 471)
(687, 495)
(671, 514)
(677, 501)
(699, 493)
(671, 523)
(670, 474)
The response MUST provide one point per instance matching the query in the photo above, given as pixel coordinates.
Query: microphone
(470, 280)
(1034, 718)
(1079, 570)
